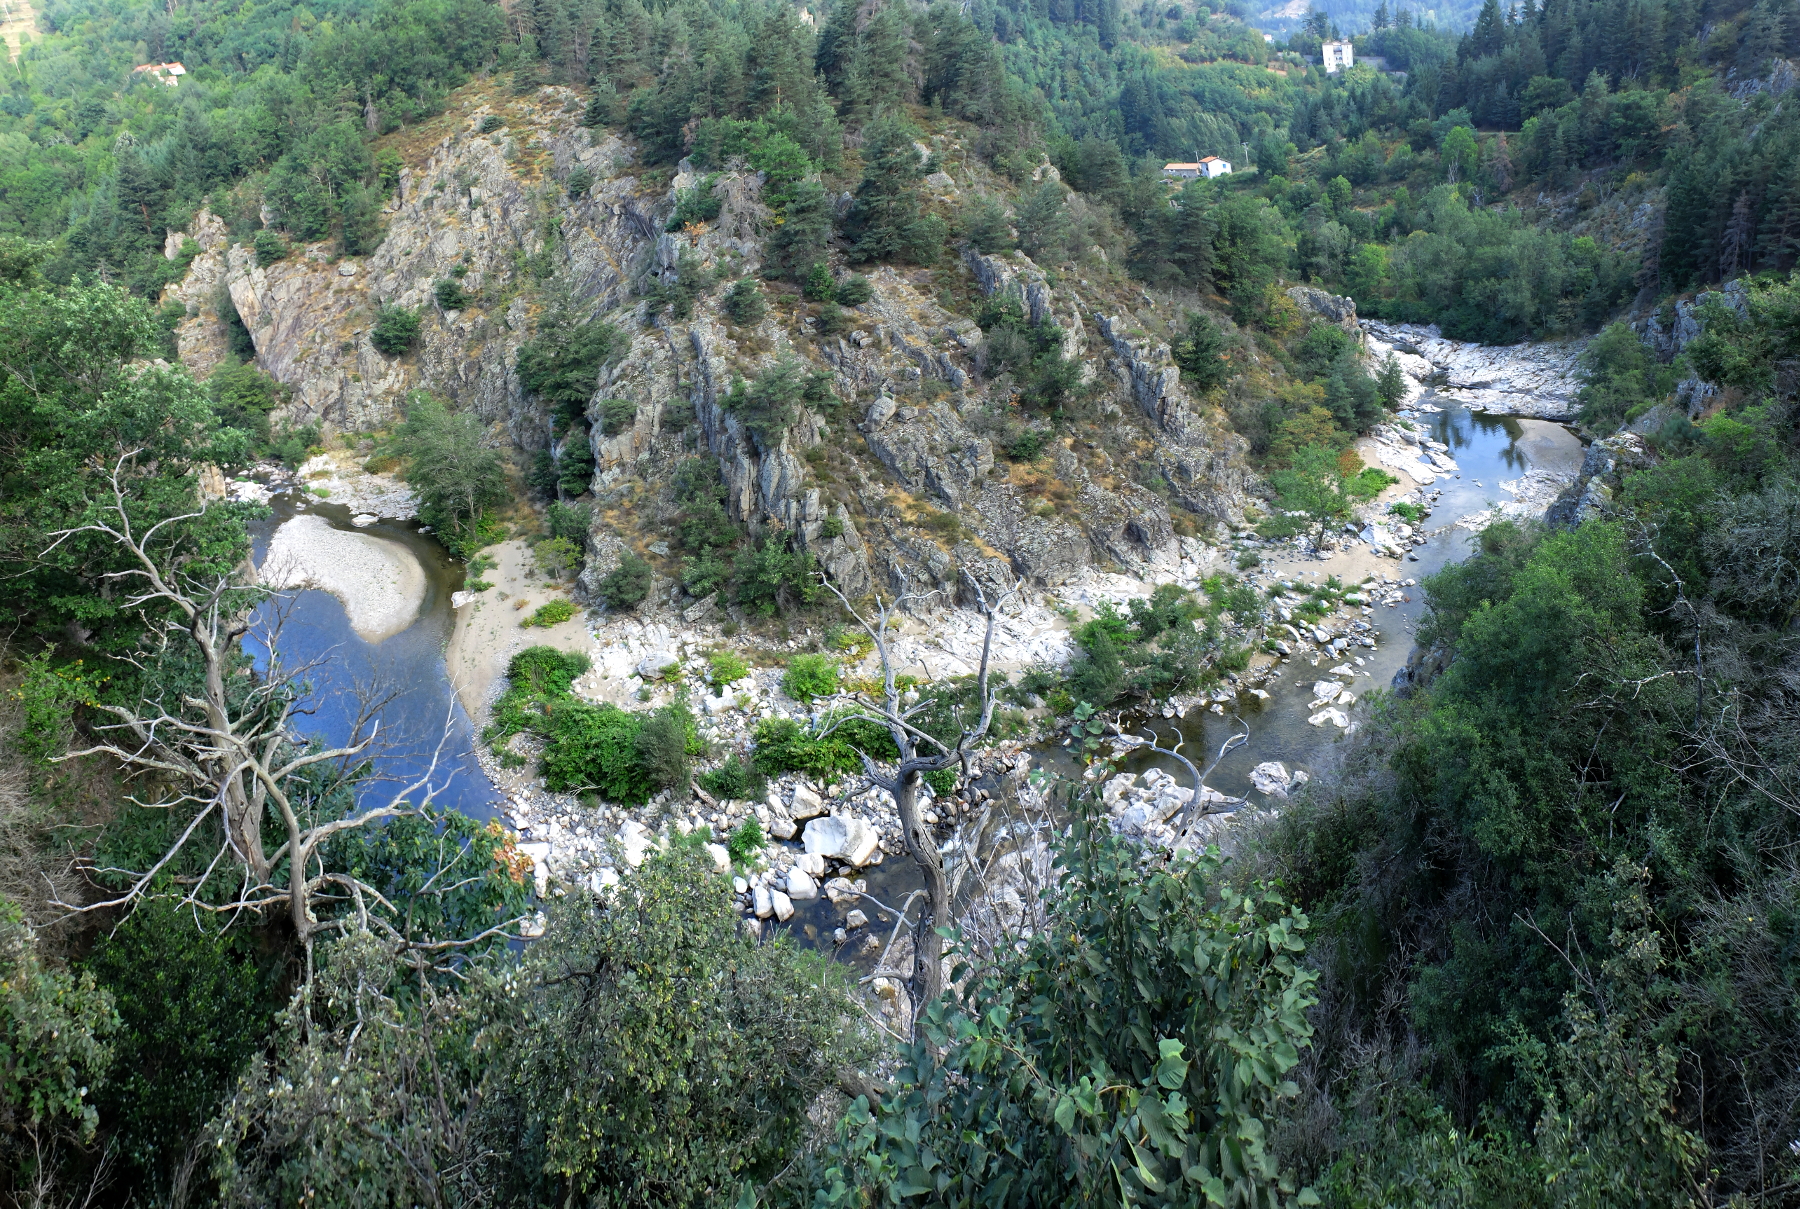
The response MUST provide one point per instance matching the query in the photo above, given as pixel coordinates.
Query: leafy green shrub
(819, 287)
(570, 521)
(457, 475)
(744, 304)
(696, 205)
(1001, 1086)
(554, 612)
(491, 123)
(832, 319)
(270, 247)
(704, 575)
(560, 366)
(449, 295)
(666, 745)
(831, 526)
(595, 747)
(616, 415)
(626, 586)
(782, 746)
(735, 779)
(556, 556)
(1028, 445)
(746, 841)
(854, 290)
(1411, 513)
(1370, 482)
(537, 677)
(810, 676)
(396, 330)
(725, 667)
(772, 578)
(580, 180)
(942, 781)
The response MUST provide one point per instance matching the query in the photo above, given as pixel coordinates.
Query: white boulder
(1271, 778)
(764, 904)
(784, 906)
(800, 886)
(805, 804)
(841, 837)
(721, 859)
(656, 665)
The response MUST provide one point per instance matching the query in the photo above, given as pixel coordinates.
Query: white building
(162, 73)
(1209, 167)
(1338, 57)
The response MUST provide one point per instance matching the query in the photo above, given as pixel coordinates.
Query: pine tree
(886, 222)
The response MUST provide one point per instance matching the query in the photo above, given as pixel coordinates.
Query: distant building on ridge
(162, 73)
(1338, 57)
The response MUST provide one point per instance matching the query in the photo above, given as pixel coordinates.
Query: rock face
(468, 207)
(1333, 308)
(1667, 335)
(907, 428)
(1537, 380)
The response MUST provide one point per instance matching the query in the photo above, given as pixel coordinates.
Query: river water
(423, 720)
(425, 712)
(1487, 449)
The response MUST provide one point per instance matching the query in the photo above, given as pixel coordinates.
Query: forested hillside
(1534, 943)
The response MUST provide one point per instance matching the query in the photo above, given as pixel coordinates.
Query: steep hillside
(893, 475)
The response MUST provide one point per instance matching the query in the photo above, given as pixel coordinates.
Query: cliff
(895, 482)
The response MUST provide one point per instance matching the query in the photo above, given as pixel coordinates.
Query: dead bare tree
(919, 754)
(224, 749)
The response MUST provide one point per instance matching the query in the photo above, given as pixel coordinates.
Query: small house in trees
(162, 73)
(1338, 57)
(1206, 168)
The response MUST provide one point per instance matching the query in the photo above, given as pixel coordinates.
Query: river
(423, 712)
(424, 709)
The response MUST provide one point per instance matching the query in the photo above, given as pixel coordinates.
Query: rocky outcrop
(1605, 465)
(1539, 380)
(1668, 334)
(1333, 308)
(478, 206)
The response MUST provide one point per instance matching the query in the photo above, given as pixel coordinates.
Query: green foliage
(575, 464)
(744, 303)
(782, 746)
(746, 843)
(810, 676)
(626, 585)
(581, 179)
(1135, 1051)
(725, 668)
(1203, 353)
(1619, 376)
(770, 578)
(1312, 491)
(1147, 652)
(75, 399)
(819, 286)
(616, 415)
(560, 365)
(1032, 354)
(771, 403)
(53, 1038)
(550, 614)
(594, 747)
(886, 221)
(570, 522)
(242, 398)
(270, 248)
(748, 1035)
(457, 476)
(194, 1002)
(737, 779)
(537, 678)
(449, 295)
(854, 290)
(701, 204)
(396, 330)
(556, 556)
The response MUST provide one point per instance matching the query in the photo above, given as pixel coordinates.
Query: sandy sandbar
(380, 582)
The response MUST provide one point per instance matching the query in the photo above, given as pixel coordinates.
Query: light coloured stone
(856, 919)
(784, 906)
(634, 842)
(762, 902)
(656, 665)
(720, 857)
(805, 804)
(842, 837)
(1271, 778)
(800, 886)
